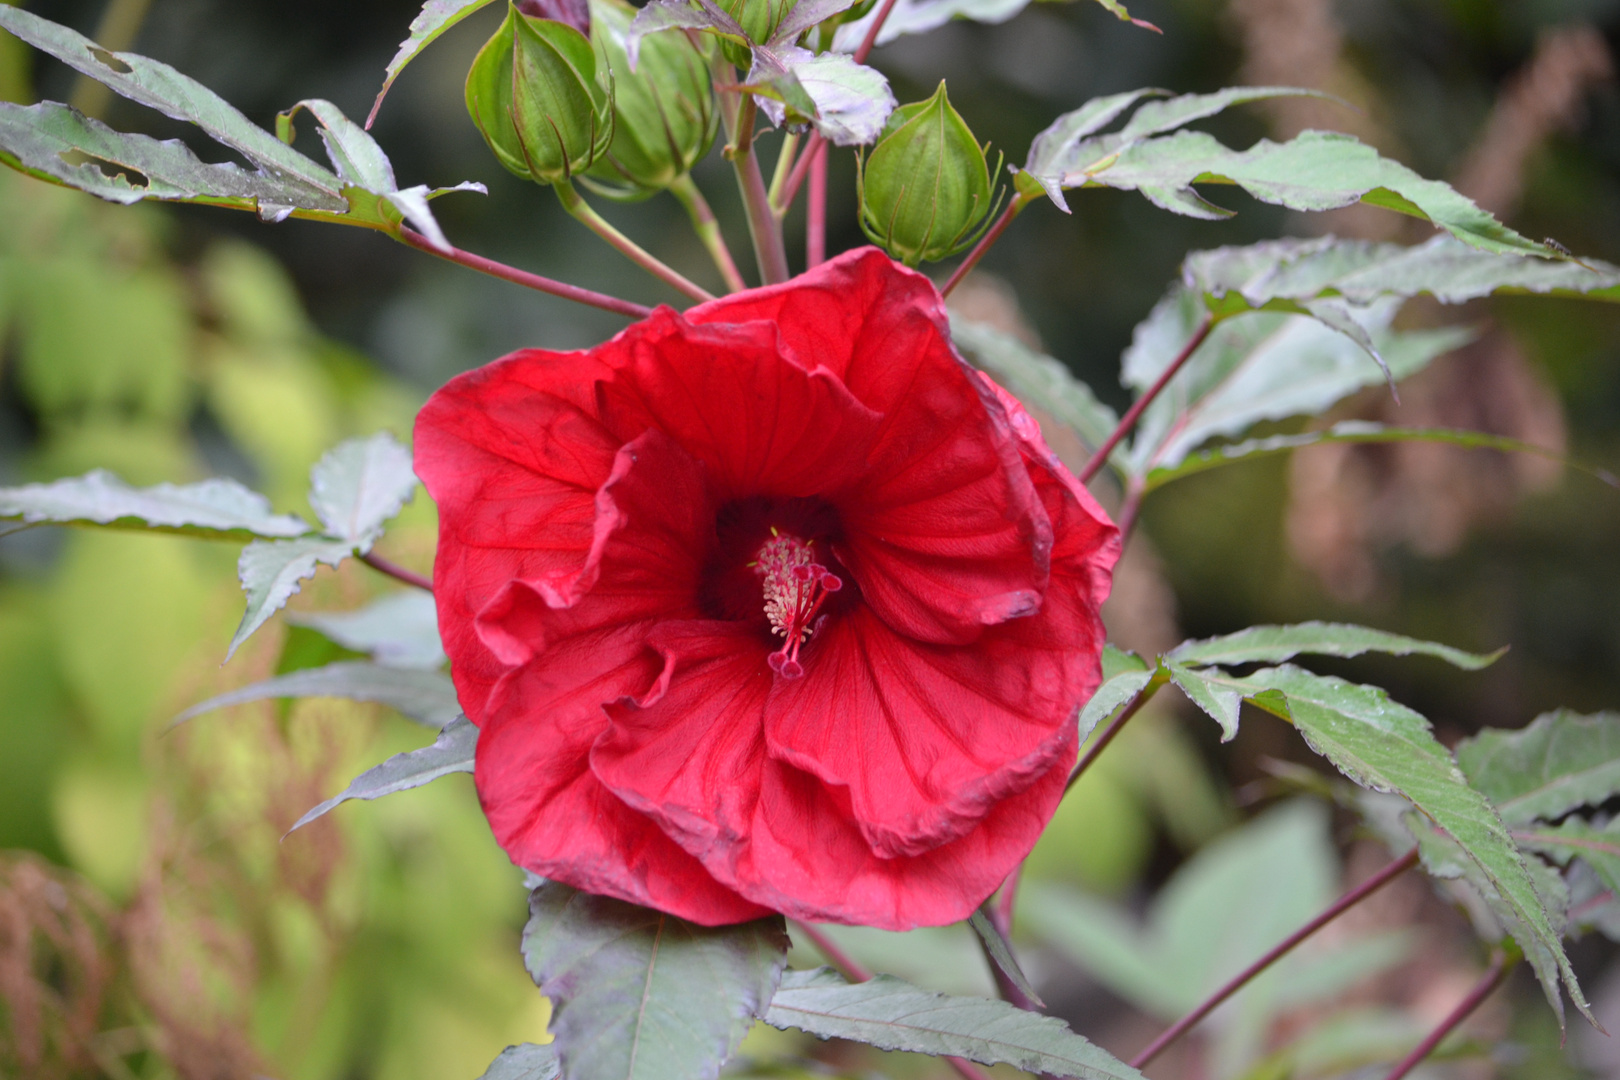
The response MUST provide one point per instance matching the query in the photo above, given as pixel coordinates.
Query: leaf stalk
(1344, 903)
(396, 571)
(1500, 966)
(546, 285)
(1132, 415)
(1014, 206)
(708, 231)
(576, 205)
(764, 226)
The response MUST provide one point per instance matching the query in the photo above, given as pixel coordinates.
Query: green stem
(708, 231)
(577, 206)
(784, 166)
(763, 225)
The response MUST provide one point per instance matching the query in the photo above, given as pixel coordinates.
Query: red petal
(689, 755)
(548, 810)
(761, 424)
(944, 533)
(514, 463)
(807, 860)
(927, 739)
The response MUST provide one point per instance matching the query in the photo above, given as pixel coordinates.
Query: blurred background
(153, 924)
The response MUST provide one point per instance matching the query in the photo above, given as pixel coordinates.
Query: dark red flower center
(773, 565)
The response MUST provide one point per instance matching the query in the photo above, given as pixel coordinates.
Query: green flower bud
(926, 184)
(664, 115)
(758, 19)
(535, 94)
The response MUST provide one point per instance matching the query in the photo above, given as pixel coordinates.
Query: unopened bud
(664, 115)
(535, 94)
(926, 185)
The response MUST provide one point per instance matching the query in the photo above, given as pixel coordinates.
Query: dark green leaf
(1116, 661)
(427, 697)
(891, 1014)
(1385, 746)
(359, 484)
(451, 752)
(1000, 951)
(220, 509)
(640, 995)
(1358, 431)
(526, 1061)
(51, 141)
(1361, 271)
(161, 87)
(435, 18)
(271, 571)
(1070, 145)
(1037, 380)
(400, 630)
(287, 182)
(1561, 761)
(1314, 171)
(1274, 644)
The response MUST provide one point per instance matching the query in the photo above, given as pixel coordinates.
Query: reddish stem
(1476, 997)
(526, 279)
(856, 973)
(396, 571)
(1128, 421)
(1339, 907)
(815, 221)
(990, 237)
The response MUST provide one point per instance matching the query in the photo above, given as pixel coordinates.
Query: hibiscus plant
(778, 610)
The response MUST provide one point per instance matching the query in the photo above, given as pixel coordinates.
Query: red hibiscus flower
(773, 605)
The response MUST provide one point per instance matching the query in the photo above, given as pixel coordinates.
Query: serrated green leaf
(640, 995)
(1495, 917)
(1385, 746)
(359, 484)
(287, 182)
(1112, 694)
(1070, 145)
(1313, 171)
(1037, 380)
(49, 142)
(161, 87)
(428, 697)
(526, 1061)
(271, 571)
(1274, 644)
(1222, 702)
(848, 103)
(452, 752)
(400, 630)
(1253, 367)
(435, 18)
(1361, 271)
(220, 509)
(1560, 761)
(1117, 661)
(1359, 431)
(1000, 951)
(892, 1014)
